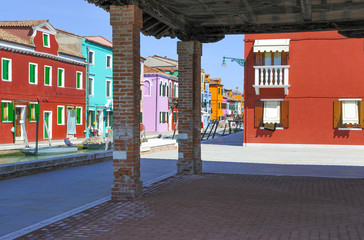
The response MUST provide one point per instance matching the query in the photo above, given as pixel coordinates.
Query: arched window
(160, 89)
(165, 89)
(170, 88)
(146, 90)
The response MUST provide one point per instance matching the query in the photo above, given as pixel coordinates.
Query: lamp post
(239, 61)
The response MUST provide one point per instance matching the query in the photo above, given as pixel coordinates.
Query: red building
(304, 88)
(39, 77)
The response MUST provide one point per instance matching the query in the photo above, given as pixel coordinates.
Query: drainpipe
(87, 89)
(156, 103)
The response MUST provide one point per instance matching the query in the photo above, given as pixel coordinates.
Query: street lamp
(239, 61)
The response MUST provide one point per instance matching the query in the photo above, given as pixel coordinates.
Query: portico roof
(211, 20)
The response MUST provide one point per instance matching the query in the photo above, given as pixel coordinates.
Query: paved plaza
(260, 192)
(226, 206)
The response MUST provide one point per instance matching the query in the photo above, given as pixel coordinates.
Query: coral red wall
(38, 42)
(20, 91)
(324, 66)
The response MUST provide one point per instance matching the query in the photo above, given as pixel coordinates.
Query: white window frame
(268, 100)
(33, 103)
(110, 96)
(50, 75)
(109, 67)
(63, 115)
(7, 121)
(81, 78)
(63, 77)
(91, 85)
(49, 40)
(81, 115)
(93, 58)
(342, 100)
(10, 70)
(35, 73)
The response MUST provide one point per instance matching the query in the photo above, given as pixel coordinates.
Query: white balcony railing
(271, 77)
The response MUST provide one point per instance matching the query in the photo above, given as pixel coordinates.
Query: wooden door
(17, 122)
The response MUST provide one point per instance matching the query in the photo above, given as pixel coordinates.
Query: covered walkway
(225, 206)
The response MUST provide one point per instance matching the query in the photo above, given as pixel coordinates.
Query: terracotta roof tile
(22, 23)
(6, 36)
(148, 69)
(100, 40)
(69, 52)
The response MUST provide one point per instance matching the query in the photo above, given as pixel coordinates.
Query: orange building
(216, 97)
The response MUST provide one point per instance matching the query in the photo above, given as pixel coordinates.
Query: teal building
(99, 104)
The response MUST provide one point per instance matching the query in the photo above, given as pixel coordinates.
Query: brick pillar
(126, 22)
(189, 107)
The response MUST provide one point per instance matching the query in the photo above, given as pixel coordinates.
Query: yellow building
(239, 96)
(216, 97)
(202, 86)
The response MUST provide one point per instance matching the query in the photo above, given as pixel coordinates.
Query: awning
(271, 45)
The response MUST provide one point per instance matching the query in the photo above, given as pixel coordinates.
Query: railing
(271, 77)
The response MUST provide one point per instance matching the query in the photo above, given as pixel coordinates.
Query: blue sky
(82, 18)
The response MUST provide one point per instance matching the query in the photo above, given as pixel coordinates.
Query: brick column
(189, 107)
(126, 22)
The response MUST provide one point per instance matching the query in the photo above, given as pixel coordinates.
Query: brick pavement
(226, 206)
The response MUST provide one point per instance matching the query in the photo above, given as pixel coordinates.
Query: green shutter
(32, 73)
(78, 83)
(30, 112)
(5, 69)
(10, 112)
(59, 116)
(2, 111)
(45, 40)
(111, 119)
(47, 76)
(141, 117)
(37, 110)
(60, 77)
(78, 116)
(46, 119)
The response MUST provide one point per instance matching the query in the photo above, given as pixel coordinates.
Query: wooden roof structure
(211, 20)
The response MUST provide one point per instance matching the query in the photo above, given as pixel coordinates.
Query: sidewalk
(15, 146)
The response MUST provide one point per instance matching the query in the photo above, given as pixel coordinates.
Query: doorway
(20, 123)
(100, 122)
(47, 123)
(71, 122)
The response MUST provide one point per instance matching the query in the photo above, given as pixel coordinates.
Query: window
(91, 86)
(91, 57)
(174, 117)
(219, 105)
(91, 118)
(108, 88)
(271, 58)
(46, 41)
(6, 69)
(47, 75)
(60, 115)
(165, 89)
(348, 113)
(163, 117)
(33, 73)
(7, 111)
(146, 91)
(34, 109)
(160, 88)
(175, 90)
(60, 77)
(79, 115)
(141, 117)
(170, 90)
(109, 119)
(270, 112)
(108, 61)
(79, 80)
(218, 91)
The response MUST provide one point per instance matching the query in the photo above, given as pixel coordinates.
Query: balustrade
(271, 77)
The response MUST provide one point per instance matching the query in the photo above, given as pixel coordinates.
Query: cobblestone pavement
(226, 206)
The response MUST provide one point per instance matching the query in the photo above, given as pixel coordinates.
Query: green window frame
(60, 77)
(7, 112)
(79, 80)
(33, 73)
(47, 75)
(79, 115)
(60, 115)
(34, 109)
(6, 72)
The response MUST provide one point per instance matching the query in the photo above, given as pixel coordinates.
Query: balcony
(271, 77)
